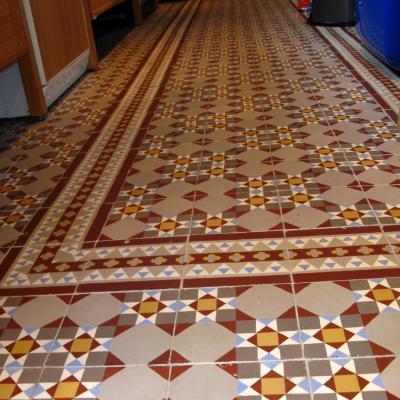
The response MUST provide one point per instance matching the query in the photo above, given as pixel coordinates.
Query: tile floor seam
(303, 358)
(180, 290)
(322, 110)
(202, 363)
(104, 222)
(188, 240)
(284, 229)
(287, 235)
(44, 366)
(349, 164)
(181, 284)
(359, 183)
(275, 182)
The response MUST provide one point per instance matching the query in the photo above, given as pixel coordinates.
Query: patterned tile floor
(214, 212)
(321, 340)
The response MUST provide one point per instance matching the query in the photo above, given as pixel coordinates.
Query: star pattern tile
(259, 341)
(213, 211)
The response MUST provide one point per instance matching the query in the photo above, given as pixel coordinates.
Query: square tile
(18, 383)
(362, 378)
(101, 383)
(347, 321)
(273, 380)
(27, 333)
(93, 336)
(236, 324)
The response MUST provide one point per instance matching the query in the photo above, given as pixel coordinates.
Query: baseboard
(57, 85)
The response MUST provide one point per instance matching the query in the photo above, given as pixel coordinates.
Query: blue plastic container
(378, 24)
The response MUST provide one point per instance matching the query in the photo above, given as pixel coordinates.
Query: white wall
(12, 94)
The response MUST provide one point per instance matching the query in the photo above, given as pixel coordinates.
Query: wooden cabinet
(60, 31)
(12, 39)
(16, 48)
(52, 42)
(59, 34)
(49, 39)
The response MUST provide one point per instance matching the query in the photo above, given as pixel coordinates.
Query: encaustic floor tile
(360, 378)
(102, 383)
(257, 149)
(18, 383)
(235, 258)
(99, 329)
(27, 332)
(323, 253)
(393, 237)
(236, 324)
(243, 381)
(349, 319)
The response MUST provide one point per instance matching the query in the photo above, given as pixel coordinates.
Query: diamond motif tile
(356, 329)
(204, 381)
(259, 220)
(376, 177)
(273, 380)
(171, 206)
(233, 324)
(215, 204)
(385, 203)
(215, 186)
(58, 383)
(124, 228)
(27, 334)
(335, 178)
(18, 383)
(135, 381)
(139, 317)
(305, 217)
(245, 125)
(353, 378)
(253, 169)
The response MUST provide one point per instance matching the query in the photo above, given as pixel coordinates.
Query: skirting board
(57, 85)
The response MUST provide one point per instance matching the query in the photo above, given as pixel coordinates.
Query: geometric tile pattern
(293, 254)
(69, 383)
(250, 342)
(350, 378)
(18, 383)
(246, 338)
(267, 341)
(223, 141)
(273, 380)
(356, 328)
(223, 135)
(26, 335)
(85, 342)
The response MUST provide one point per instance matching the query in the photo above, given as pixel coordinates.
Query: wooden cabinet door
(61, 32)
(12, 38)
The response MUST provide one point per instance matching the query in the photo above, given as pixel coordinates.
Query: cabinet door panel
(12, 39)
(61, 32)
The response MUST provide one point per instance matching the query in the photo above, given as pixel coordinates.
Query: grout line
(44, 366)
(172, 341)
(355, 175)
(343, 149)
(238, 362)
(301, 337)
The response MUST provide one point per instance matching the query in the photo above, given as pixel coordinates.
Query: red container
(303, 4)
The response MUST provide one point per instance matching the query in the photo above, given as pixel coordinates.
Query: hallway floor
(212, 214)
